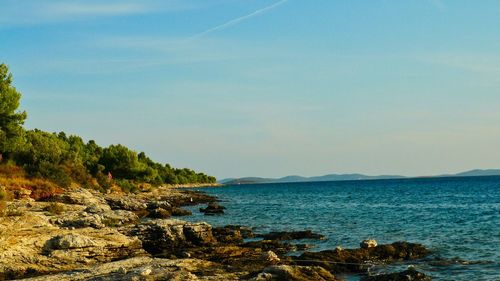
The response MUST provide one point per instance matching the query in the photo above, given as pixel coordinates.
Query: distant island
(348, 177)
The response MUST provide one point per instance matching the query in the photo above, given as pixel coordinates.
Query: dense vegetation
(65, 159)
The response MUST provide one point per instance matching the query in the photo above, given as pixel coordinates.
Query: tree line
(65, 159)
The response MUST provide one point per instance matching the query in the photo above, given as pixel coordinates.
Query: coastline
(81, 234)
(192, 185)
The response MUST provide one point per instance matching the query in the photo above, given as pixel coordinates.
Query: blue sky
(266, 88)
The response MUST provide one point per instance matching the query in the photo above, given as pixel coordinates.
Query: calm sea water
(457, 218)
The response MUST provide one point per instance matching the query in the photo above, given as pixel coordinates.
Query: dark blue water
(457, 218)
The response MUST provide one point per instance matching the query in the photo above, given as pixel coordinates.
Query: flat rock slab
(407, 275)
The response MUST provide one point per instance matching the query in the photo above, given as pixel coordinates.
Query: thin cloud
(30, 12)
(437, 4)
(239, 19)
(81, 9)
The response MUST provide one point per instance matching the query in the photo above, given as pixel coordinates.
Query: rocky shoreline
(82, 234)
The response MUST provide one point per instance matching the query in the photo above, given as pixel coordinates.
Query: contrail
(237, 20)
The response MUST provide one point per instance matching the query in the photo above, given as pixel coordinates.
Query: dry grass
(15, 180)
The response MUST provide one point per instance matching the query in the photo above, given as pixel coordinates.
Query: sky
(266, 88)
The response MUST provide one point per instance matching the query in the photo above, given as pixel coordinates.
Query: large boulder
(30, 245)
(69, 241)
(368, 243)
(170, 236)
(213, 209)
(81, 196)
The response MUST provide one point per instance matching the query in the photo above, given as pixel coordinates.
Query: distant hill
(347, 177)
(287, 179)
(479, 173)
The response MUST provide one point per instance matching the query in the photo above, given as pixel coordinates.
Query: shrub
(43, 189)
(127, 186)
(104, 182)
(55, 208)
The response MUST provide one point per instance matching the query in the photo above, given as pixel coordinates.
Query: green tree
(43, 155)
(11, 120)
(122, 162)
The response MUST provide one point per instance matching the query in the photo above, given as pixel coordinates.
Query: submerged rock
(213, 209)
(358, 260)
(291, 235)
(407, 275)
(179, 212)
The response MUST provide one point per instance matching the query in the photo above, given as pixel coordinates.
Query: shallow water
(457, 218)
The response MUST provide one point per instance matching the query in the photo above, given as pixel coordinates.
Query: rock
(271, 257)
(119, 217)
(271, 245)
(263, 277)
(122, 270)
(298, 273)
(292, 235)
(79, 220)
(97, 209)
(369, 243)
(36, 247)
(169, 236)
(407, 275)
(189, 198)
(159, 213)
(353, 260)
(179, 212)
(246, 232)
(80, 196)
(145, 271)
(213, 209)
(159, 204)
(199, 233)
(129, 203)
(185, 255)
(146, 268)
(69, 241)
(228, 235)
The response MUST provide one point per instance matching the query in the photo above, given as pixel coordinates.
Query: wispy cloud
(484, 64)
(237, 20)
(438, 4)
(31, 12)
(94, 9)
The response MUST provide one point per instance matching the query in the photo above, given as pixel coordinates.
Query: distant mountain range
(347, 177)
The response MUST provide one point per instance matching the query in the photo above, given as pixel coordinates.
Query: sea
(458, 219)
